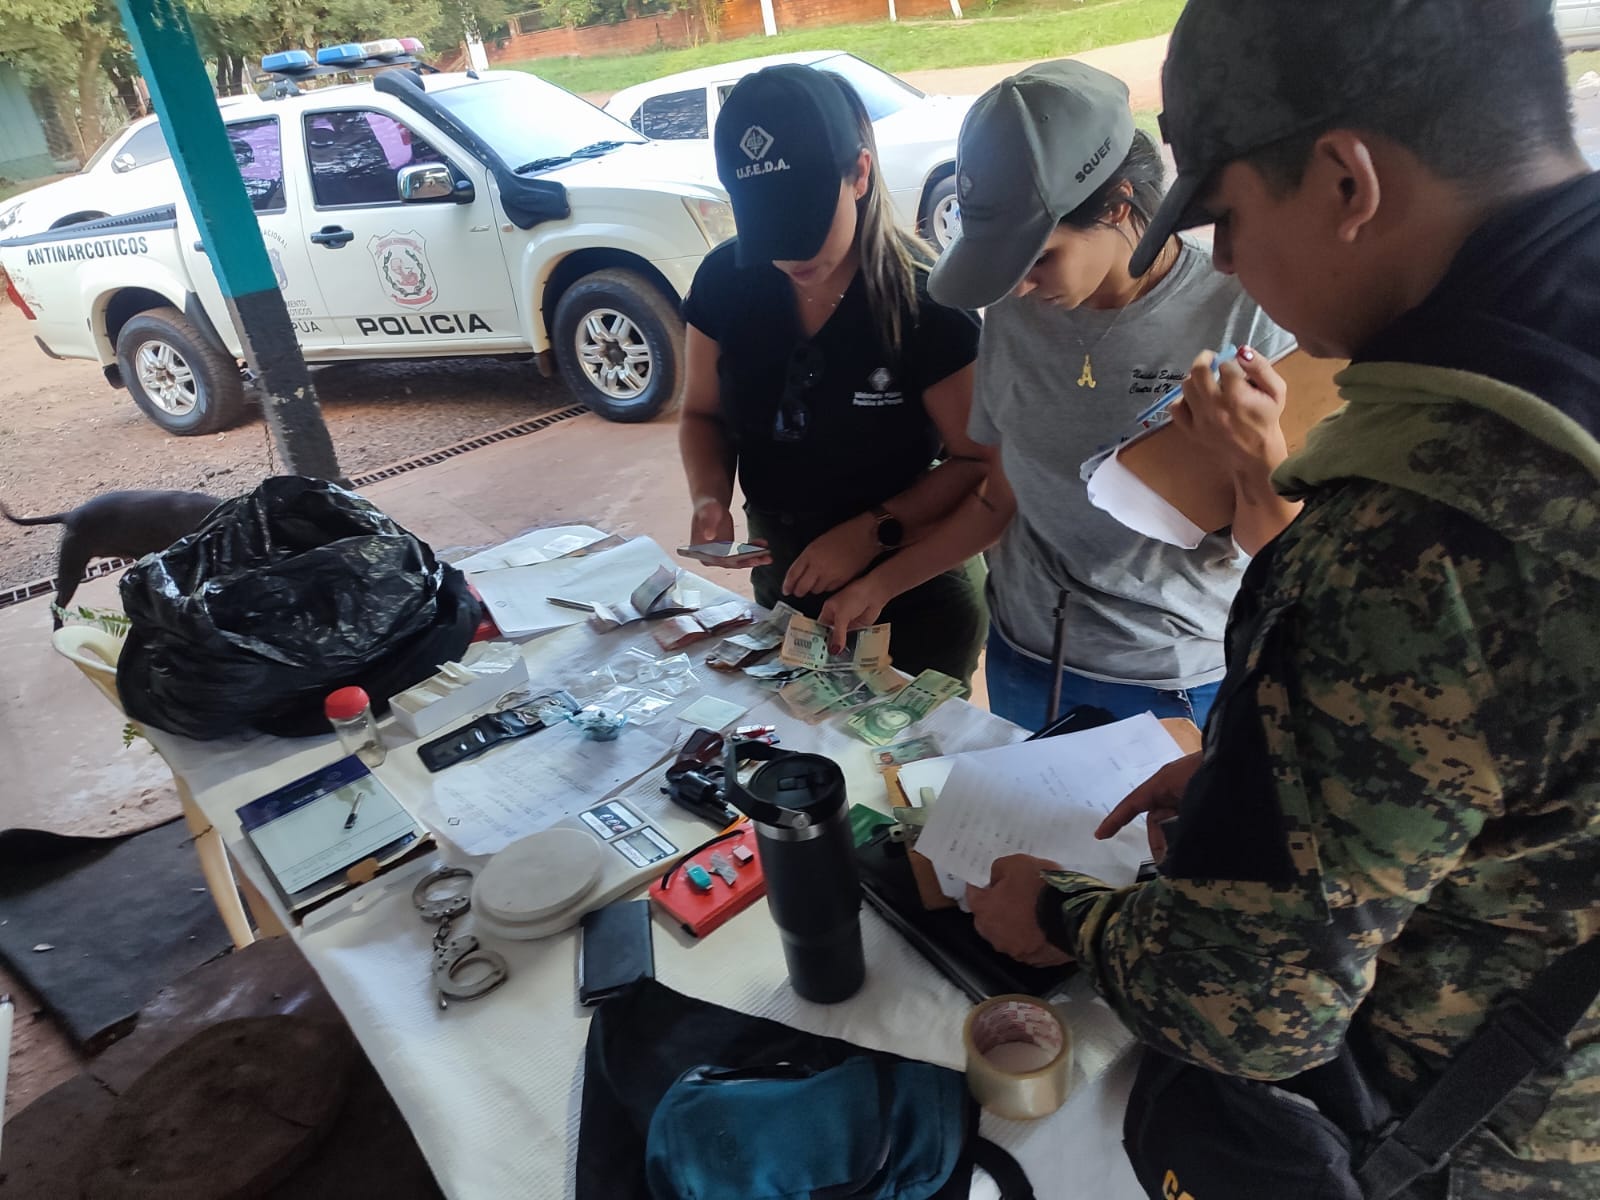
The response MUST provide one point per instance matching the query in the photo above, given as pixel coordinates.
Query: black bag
(1328, 1134)
(645, 1040)
(280, 597)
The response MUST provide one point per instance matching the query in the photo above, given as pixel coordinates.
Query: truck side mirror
(422, 182)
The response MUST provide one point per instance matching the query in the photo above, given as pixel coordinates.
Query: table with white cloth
(491, 1088)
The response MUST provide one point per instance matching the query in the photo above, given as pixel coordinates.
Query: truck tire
(619, 342)
(183, 381)
(941, 214)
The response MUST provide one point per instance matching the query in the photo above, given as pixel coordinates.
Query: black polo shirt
(868, 436)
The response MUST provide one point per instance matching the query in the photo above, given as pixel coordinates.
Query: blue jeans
(1019, 691)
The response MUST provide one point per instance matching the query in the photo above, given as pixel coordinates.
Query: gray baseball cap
(1033, 148)
(1243, 74)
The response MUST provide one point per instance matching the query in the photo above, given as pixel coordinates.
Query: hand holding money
(805, 644)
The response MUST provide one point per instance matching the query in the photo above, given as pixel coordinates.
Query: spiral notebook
(328, 831)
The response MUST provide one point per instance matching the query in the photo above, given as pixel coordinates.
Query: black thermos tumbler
(802, 821)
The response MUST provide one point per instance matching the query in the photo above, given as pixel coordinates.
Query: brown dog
(118, 525)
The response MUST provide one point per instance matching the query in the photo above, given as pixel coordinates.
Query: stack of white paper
(1045, 798)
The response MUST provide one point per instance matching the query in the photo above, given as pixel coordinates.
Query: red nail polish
(1247, 354)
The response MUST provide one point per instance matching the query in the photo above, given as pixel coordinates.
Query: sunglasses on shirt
(806, 366)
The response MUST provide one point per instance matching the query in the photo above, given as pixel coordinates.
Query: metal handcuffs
(454, 953)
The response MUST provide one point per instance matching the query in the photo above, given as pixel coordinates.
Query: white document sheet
(1118, 491)
(1045, 798)
(526, 786)
(518, 597)
(537, 546)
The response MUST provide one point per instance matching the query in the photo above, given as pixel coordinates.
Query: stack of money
(805, 644)
(818, 695)
(739, 651)
(886, 721)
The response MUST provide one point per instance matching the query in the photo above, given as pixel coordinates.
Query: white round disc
(533, 879)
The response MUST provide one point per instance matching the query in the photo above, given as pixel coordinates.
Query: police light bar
(411, 45)
(286, 60)
(349, 52)
(384, 48)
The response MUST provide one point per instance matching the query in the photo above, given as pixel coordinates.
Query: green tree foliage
(59, 44)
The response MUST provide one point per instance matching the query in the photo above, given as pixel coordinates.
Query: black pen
(355, 807)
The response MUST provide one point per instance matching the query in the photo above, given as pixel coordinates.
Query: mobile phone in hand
(724, 554)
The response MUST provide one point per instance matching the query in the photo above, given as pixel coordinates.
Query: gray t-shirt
(1140, 611)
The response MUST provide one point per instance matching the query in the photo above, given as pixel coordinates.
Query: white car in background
(1578, 22)
(132, 170)
(916, 132)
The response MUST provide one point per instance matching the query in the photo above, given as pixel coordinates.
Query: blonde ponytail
(891, 257)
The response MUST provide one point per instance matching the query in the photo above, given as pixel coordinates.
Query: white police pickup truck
(410, 216)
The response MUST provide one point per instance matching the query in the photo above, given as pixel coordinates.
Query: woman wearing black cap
(820, 372)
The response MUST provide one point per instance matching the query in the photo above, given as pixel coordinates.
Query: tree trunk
(91, 125)
(236, 76)
(127, 91)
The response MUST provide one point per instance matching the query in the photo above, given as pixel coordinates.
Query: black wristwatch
(891, 533)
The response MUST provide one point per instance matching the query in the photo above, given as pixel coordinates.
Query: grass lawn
(1581, 62)
(1008, 31)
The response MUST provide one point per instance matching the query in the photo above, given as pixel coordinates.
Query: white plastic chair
(95, 652)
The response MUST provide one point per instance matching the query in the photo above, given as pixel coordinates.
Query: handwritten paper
(527, 786)
(1045, 798)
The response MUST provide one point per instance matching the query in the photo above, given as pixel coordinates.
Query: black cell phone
(472, 739)
(614, 950)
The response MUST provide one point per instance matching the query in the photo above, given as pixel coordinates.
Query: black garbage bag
(281, 596)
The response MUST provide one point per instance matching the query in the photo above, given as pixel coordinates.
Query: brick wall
(740, 18)
(794, 14)
(595, 41)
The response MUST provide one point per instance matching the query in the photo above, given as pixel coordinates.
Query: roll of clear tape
(1019, 1057)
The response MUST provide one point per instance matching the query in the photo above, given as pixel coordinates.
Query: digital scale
(544, 883)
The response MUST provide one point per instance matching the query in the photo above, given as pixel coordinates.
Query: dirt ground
(66, 436)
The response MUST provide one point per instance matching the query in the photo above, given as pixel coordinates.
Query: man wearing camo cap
(1395, 823)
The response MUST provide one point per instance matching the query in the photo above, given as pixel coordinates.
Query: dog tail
(54, 519)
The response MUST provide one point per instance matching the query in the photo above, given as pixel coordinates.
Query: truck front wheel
(620, 345)
(183, 382)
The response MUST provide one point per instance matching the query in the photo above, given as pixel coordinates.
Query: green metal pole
(164, 44)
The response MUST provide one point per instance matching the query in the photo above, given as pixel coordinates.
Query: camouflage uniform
(1397, 817)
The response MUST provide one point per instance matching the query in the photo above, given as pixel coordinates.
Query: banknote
(885, 722)
(744, 648)
(821, 694)
(909, 751)
(805, 644)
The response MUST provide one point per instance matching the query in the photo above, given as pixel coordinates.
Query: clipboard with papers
(328, 831)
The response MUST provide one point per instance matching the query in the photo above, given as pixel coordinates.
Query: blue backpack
(784, 1115)
(867, 1129)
